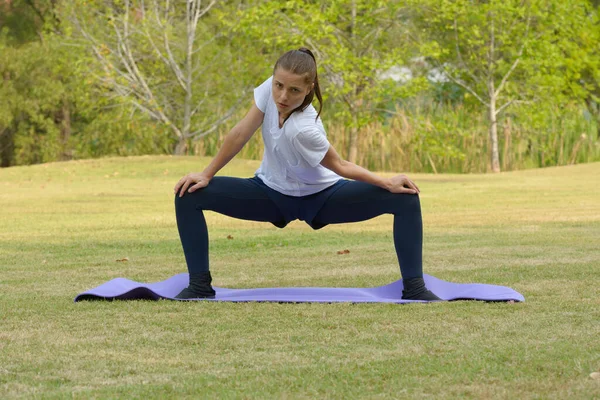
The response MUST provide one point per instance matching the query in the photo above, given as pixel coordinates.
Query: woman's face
(289, 90)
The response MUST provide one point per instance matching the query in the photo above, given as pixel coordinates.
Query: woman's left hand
(401, 184)
(193, 181)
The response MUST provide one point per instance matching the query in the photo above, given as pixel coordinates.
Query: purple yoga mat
(125, 289)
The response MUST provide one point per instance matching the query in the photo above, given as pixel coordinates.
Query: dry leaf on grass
(123, 259)
(344, 251)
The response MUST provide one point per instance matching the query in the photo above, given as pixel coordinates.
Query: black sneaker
(414, 289)
(198, 288)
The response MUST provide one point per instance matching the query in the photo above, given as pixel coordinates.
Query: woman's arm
(235, 140)
(346, 169)
(233, 143)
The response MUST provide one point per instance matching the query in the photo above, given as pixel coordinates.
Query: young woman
(301, 177)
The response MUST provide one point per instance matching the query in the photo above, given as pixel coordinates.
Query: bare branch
(127, 78)
(170, 62)
(201, 133)
(348, 102)
(207, 63)
(195, 110)
(505, 105)
(460, 82)
(126, 57)
(200, 14)
(215, 37)
(505, 78)
(512, 68)
(508, 103)
(145, 109)
(105, 62)
(200, 102)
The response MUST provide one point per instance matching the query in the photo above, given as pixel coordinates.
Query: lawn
(64, 226)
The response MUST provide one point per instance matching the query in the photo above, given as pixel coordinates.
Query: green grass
(64, 225)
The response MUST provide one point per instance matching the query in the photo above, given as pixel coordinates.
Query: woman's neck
(283, 118)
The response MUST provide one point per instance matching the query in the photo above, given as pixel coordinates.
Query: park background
(104, 105)
(422, 86)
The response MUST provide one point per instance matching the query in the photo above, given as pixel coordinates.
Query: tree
(33, 101)
(28, 20)
(501, 52)
(35, 106)
(581, 48)
(169, 63)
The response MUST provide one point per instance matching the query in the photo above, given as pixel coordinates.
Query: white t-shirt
(292, 156)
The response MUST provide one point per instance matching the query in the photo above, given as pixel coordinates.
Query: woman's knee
(188, 201)
(408, 202)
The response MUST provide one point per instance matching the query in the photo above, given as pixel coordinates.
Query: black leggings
(352, 202)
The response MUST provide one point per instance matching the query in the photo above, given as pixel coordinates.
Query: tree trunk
(353, 142)
(594, 109)
(493, 96)
(189, 74)
(495, 159)
(353, 150)
(7, 147)
(65, 131)
(181, 148)
(506, 159)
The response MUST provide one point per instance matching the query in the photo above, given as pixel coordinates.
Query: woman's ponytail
(317, 89)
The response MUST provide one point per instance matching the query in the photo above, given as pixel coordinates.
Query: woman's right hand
(191, 182)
